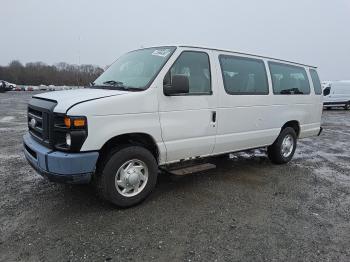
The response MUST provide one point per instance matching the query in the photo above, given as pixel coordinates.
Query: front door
(188, 121)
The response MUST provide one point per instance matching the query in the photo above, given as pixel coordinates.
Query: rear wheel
(282, 150)
(127, 176)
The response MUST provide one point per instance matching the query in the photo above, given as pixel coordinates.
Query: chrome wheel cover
(287, 146)
(131, 178)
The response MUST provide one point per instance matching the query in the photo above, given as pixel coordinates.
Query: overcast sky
(315, 32)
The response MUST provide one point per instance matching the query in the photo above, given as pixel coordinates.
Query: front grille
(37, 123)
(40, 119)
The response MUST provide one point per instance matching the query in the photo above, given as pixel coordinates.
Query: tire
(114, 167)
(347, 106)
(279, 152)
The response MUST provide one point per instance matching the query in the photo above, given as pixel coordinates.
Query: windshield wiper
(113, 83)
(120, 85)
(130, 88)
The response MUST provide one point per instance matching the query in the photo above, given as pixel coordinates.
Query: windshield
(135, 70)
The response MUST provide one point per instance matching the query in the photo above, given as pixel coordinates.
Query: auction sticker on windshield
(161, 52)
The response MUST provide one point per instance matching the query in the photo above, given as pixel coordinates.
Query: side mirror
(179, 85)
(326, 91)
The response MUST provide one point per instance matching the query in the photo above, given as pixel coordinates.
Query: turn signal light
(67, 122)
(74, 122)
(79, 122)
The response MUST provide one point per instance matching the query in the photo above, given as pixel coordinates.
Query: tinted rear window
(316, 82)
(243, 76)
(289, 79)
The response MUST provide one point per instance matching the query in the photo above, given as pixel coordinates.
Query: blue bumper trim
(59, 166)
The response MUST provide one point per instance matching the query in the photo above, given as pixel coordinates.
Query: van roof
(345, 83)
(241, 53)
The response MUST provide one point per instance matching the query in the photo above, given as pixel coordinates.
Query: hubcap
(131, 178)
(287, 145)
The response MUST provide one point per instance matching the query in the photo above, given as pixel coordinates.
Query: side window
(243, 76)
(316, 82)
(289, 79)
(196, 66)
(327, 91)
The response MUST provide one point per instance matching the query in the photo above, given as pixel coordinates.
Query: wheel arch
(293, 124)
(141, 139)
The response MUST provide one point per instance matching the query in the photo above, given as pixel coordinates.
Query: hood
(68, 98)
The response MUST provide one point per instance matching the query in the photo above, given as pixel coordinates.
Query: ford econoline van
(161, 106)
(337, 94)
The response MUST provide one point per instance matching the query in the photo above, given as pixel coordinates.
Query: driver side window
(195, 66)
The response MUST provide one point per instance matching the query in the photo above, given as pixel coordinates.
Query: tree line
(39, 73)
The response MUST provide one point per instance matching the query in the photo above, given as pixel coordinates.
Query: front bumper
(74, 168)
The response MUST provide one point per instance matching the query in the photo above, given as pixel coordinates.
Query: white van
(337, 94)
(159, 106)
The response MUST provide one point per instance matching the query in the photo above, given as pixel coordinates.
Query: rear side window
(243, 76)
(289, 79)
(316, 82)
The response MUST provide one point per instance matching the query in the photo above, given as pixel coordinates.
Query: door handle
(213, 116)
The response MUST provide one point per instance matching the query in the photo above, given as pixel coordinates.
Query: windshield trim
(160, 68)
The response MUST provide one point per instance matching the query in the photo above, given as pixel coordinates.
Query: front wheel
(127, 176)
(282, 150)
(347, 106)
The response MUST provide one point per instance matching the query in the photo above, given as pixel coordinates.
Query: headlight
(69, 132)
(68, 139)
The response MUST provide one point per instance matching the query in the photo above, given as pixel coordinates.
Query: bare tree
(38, 73)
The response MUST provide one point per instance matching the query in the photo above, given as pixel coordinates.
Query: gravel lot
(246, 209)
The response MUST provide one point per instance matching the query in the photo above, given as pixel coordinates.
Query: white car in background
(52, 87)
(337, 94)
(9, 86)
(42, 87)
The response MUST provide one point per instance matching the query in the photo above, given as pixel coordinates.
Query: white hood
(68, 98)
